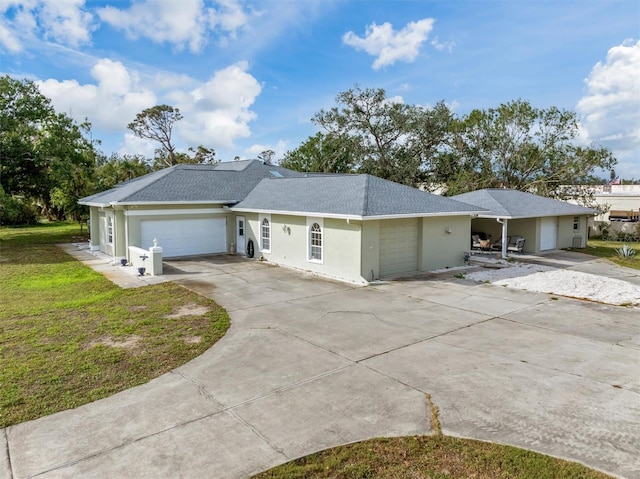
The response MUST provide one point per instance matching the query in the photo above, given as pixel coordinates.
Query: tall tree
(47, 159)
(201, 155)
(266, 156)
(204, 155)
(321, 153)
(116, 169)
(156, 123)
(388, 138)
(522, 147)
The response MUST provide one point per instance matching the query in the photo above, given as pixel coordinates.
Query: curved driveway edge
(309, 364)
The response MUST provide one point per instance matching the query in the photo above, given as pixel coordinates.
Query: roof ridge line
(366, 195)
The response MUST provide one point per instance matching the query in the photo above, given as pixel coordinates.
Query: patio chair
(475, 242)
(516, 245)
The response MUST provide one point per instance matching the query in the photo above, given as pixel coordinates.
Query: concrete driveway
(309, 364)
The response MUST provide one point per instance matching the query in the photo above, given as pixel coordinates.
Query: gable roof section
(503, 203)
(348, 196)
(223, 183)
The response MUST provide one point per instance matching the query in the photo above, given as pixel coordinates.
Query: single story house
(356, 228)
(544, 223)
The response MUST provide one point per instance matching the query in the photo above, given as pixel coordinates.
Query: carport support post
(503, 222)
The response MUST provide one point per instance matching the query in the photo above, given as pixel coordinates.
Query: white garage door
(398, 246)
(186, 237)
(548, 233)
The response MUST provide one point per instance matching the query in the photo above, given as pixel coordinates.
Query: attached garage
(398, 246)
(548, 233)
(185, 237)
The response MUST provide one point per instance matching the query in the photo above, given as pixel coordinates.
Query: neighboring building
(621, 201)
(356, 228)
(545, 223)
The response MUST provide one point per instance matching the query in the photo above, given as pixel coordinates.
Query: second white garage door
(398, 246)
(548, 233)
(186, 237)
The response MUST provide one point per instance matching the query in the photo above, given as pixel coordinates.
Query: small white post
(155, 257)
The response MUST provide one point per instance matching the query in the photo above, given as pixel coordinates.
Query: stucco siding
(289, 245)
(529, 229)
(120, 235)
(94, 227)
(441, 249)
(370, 248)
(566, 232)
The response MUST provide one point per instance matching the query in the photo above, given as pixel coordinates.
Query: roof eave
(547, 215)
(92, 203)
(168, 203)
(352, 217)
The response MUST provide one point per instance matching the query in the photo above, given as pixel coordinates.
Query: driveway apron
(309, 364)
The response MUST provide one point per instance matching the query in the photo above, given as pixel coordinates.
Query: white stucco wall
(441, 248)
(370, 248)
(566, 233)
(289, 246)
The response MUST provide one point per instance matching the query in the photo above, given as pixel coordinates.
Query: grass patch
(428, 457)
(607, 249)
(68, 336)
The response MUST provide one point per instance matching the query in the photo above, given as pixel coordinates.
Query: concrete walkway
(310, 364)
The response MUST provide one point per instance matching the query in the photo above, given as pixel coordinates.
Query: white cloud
(110, 104)
(66, 22)
(9, 40)
(218, 112)
(62, 21)
(184, 24)
(438, 45)
(390, 46)
(279, 149)
(215, 113)
(138, 146)
(611, 107)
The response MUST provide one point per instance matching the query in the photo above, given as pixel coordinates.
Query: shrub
(625, 237)
(604, 231)
(16, 211)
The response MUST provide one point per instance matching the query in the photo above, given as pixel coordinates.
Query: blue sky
(248, 76)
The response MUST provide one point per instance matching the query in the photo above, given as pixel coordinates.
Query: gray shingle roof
(222, 183)
(504, 203)
(357, 196)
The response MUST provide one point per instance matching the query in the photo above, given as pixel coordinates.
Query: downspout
(504, 237)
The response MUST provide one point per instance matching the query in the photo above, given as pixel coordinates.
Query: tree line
(48, 161)
(512, 146)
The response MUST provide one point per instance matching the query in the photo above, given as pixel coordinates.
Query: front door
(240, 233)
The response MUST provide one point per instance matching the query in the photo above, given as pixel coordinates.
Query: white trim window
(109, 229)
(315, 240)
(265, 233)
(576, 223)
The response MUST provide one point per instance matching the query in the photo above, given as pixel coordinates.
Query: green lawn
(69, 336)
(607, 249)
(428, 457)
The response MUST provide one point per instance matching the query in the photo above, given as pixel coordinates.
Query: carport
(545, 224)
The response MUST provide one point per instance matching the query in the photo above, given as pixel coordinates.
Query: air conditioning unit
(577, 242)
